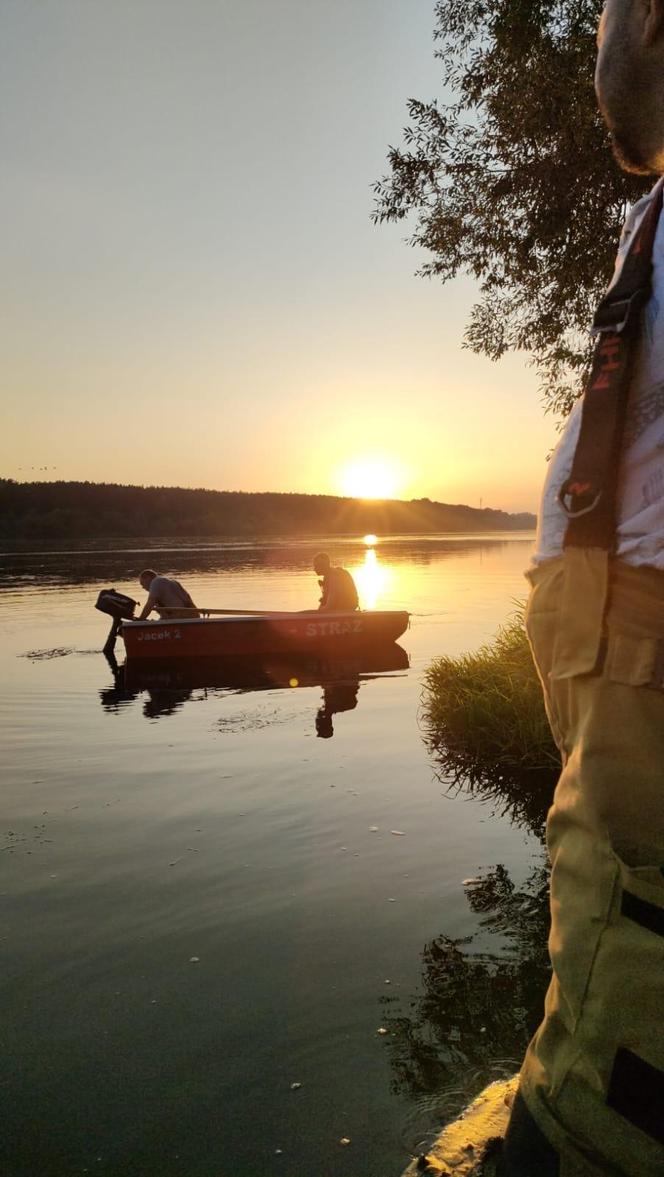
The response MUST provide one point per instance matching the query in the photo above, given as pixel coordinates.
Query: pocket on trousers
(578, 646)
(542, 614)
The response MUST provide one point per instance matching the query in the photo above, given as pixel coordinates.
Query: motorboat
(239, 634)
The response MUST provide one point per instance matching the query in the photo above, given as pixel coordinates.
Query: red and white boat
(264, 633)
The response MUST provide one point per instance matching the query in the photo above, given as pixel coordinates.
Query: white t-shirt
(169, 594)
(640, 533)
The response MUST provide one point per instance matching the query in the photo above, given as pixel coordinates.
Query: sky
(193, 291)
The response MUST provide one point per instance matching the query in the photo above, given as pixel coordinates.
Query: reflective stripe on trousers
(593, 1076)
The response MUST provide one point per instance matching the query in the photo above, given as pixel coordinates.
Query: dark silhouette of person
(167, 596)
(336, 697)
(339, 593)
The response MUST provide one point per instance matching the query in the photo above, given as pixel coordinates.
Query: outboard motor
(117, 606)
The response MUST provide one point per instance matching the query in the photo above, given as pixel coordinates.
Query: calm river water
(207, 904)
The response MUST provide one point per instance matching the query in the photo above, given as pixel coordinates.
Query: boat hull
(230, 636)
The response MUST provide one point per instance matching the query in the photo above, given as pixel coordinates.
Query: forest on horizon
(32, 511)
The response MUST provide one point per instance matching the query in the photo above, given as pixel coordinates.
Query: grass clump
(484, 716)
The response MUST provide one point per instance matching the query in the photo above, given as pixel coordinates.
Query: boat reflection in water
(169, 685)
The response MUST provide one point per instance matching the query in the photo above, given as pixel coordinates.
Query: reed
(486, 710)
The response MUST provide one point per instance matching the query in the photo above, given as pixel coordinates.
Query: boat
(251, 634)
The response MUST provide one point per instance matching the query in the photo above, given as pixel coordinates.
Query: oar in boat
(230, 612)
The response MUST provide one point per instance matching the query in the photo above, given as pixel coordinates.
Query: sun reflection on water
(373, 580)
(389, 579)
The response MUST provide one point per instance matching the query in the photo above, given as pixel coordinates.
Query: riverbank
(467, 1146)
(486, 727)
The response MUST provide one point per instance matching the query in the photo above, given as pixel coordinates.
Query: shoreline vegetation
(486, 727)
(486, 730)
(32, 511)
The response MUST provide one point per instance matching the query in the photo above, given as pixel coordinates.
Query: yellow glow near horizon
(370, 540)
(371, 478)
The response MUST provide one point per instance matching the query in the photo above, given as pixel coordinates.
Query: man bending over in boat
(167, 596)
(339, 593)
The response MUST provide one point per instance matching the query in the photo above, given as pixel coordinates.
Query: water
(205, 902)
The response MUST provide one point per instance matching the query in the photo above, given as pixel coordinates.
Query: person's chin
(630, 157)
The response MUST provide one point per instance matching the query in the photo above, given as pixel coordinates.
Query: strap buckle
(578, 498)
(617, 315)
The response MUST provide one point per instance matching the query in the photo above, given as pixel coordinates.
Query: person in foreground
(339, 592)
(591, 1090)
(167, 596)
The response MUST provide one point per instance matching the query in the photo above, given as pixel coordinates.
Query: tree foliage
(512, 180)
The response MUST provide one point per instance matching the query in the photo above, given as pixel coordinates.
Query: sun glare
(372, 579)
(370, 478)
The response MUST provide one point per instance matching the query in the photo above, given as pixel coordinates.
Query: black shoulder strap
(588, 496)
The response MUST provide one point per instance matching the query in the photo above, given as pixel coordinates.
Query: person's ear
(653, 28)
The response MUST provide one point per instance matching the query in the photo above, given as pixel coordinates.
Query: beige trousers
(593, 1076)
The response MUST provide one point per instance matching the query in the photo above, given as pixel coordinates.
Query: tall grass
(484, 719)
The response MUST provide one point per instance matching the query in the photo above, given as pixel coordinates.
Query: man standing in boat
(167, 596)
(339, 592)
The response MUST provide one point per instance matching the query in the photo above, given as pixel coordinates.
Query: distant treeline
(32, 511)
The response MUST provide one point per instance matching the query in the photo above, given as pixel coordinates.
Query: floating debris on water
(344, 1140)
(398, 833)
(194, 959)
(382, 1031)
(295, 1086)
(42, 655)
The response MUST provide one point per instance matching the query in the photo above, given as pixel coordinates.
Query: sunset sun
(370, 478)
